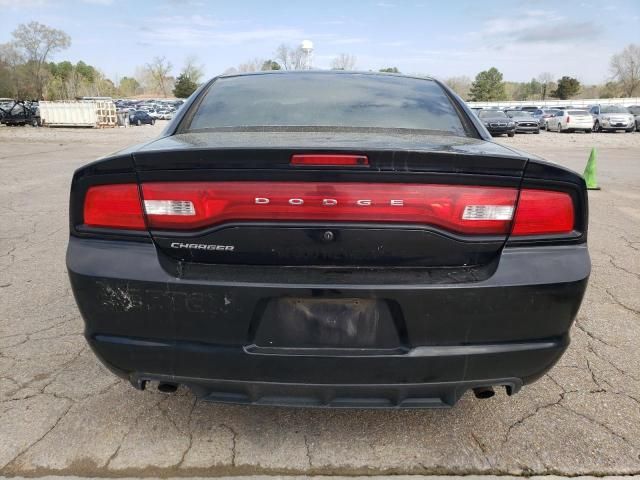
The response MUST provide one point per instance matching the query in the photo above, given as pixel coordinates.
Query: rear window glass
(579, 112)
(492, 114)
(327, 100)
(613, 109)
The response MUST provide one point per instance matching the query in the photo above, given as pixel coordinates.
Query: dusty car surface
(330, 239)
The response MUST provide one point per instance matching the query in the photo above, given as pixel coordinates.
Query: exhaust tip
(167, 387)
(484, 392)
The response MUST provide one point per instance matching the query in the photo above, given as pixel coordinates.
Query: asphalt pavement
(62, 413)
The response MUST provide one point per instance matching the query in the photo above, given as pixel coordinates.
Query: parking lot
(61, 412)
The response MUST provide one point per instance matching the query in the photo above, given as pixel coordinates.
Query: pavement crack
(307, 450)
(11, 464)
(234, 437)
(189, 433)
(482, 448)
(620, 303)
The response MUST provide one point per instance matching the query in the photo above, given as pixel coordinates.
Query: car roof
(322, 72)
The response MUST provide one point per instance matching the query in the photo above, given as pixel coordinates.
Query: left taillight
(114, 206)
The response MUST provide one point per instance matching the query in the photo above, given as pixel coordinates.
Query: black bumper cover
(507, 328)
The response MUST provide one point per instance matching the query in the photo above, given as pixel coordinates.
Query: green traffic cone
(590, 172)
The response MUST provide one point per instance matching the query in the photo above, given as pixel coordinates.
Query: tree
(610, 90)
(36, 43)
(488, 86)
(460, 85)
(567, 88)
(625, 67)
(545, 79)
(344, 61)
(389, 70)
(193, 70)
(184, 86)
(290, 58)
(159, 70)
(270, 65)
(128, 87)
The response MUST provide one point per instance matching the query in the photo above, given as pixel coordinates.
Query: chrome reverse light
(169, 207)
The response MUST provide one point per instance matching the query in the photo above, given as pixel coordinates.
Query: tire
(559, 128)
(153, 122)
(631, 130)
(510, 134)
(596, 127)
(34, 122)
(588, 130)
(138, 122)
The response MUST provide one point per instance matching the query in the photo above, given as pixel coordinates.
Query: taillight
(543, 212)
(114, 206)
(471, 210)
(568, 119)
(458, 208)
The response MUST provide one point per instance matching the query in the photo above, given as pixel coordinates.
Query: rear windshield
(579, 112)
(492, 114)
(327, 100)
(613, 109)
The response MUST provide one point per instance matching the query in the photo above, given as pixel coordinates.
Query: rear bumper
(507, 328)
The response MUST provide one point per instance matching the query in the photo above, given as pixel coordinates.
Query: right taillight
(543, 212)
(114, 206)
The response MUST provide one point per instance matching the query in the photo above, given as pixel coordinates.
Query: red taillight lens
(114, 206)
(543, 212)
(327, 160)
(458, 208)
(568, 119)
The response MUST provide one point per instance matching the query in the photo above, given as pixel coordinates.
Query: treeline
(27, 72)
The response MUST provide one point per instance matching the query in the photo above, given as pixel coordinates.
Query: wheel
(596, 127)
(153, 122)
(588, 130)
(34, 122)
(546, 126)
(139, 122)
(510, 134)
(559, 128)
(630, 130)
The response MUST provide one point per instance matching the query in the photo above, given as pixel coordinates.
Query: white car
(565, 120)
(611, 118)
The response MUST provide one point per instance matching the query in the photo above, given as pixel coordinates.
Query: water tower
(307, 48)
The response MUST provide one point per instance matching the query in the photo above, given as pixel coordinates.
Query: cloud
(536, 27)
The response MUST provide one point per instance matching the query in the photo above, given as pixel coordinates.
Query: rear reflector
(542, 212)
(114, 206)
(459, 208)
(329, 160)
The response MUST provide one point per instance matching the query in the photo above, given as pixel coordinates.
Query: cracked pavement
(62, 413)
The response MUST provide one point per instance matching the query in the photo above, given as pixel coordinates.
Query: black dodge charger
(327, 239)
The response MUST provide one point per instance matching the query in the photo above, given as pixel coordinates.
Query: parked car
(611, 118)
(567, 120)
(635, 111)
(542, 115)
(525, 122)
(140, 117)
(497, 122)
(20, 113)
(287, 244)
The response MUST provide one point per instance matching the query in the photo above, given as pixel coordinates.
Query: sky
(440, 38)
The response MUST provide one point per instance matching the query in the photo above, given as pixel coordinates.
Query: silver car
(611, 118)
